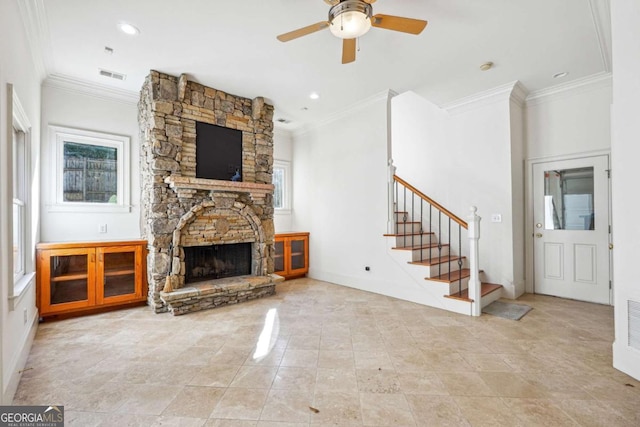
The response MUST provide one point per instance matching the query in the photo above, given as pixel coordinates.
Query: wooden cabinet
(76, 277)
(292, 254)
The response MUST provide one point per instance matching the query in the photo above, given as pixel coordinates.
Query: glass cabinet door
(278, 258)
(118, 270)
(71, 273)
(298, 254)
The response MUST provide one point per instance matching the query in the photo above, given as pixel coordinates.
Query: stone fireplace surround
(180, 210)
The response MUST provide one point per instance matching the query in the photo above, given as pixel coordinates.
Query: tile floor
(335, 356)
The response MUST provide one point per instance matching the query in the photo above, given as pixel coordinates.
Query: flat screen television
(218, 152)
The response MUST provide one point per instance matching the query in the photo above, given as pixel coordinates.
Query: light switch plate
(496, 218)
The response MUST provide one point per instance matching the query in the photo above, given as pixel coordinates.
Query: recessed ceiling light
(128, 29)
(560, 75)
(314, 95)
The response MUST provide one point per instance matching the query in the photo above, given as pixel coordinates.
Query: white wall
(75, 109)
(340, 197)
(16, 68)
(283, 151)
(462, 158)
(625, 152)
(569, 121)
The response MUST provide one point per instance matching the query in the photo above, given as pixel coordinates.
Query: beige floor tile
(300, 358)
(290, 378)
(436, 411)
(465, 384)
(507, 384)
(486, 362)
(241, 404)
(451, 369)
(149, 399)
(487, 412)
(214, 375)
(378, 381)
(336, 380)
(194, 401)
(229, 423)
(385, 410)
(372, 360)
(421, 383)
(254, 377)
(288, 406)
(336, 408)
(590, 413)
(336, 359)
(538, 412)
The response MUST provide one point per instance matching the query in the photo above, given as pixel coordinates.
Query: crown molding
(601, 15)
(480, 99)
(35, 22)
(74, 85)
(340, 114)
(519, 94)
(591, 82)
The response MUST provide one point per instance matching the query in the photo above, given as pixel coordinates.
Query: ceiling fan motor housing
(354, 18)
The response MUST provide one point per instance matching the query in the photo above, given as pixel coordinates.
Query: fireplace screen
(217, 261)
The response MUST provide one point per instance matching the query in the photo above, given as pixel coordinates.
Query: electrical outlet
(102, 228)
(496, 218)
(25, 316)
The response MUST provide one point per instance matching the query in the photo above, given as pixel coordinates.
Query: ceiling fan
(350, 19)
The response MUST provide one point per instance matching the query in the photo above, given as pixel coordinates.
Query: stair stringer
(433, 291)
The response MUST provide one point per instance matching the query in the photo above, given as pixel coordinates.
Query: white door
(571, 228)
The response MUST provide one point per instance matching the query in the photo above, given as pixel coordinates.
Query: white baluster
(391, 222)
(474, 280)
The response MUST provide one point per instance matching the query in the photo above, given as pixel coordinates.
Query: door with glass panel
(71, 276)
(571, 228)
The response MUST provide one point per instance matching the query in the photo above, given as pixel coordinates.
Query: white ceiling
(232, 46)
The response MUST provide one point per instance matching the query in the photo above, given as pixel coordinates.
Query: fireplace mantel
(180, 183)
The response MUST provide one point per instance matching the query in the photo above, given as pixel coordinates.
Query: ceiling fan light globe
(350, 25)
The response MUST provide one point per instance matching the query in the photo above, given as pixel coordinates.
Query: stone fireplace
(195, 226)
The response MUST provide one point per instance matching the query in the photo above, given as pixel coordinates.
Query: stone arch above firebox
(218, 222)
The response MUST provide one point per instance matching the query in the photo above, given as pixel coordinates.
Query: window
(282, 185)
(19, 203)
(22, 244)
(91, 171)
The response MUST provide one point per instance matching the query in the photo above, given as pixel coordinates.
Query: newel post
(391, 220)
(474, 280)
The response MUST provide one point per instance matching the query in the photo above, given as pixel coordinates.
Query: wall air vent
(111, 74)
(634, 324)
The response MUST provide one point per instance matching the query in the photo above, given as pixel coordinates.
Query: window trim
(58, 135)
(20, 123)
(286, 189)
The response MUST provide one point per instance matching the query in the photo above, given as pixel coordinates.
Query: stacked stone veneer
(180, 210)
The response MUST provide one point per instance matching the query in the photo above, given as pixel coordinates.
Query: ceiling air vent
(634, 324)
(111, 74)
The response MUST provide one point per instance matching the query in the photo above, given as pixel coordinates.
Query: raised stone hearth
(181, 210)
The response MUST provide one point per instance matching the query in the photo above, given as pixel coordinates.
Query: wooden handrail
(430, 201)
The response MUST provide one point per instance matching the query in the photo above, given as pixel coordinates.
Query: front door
(571, 228)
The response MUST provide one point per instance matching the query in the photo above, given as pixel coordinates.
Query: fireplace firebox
(217, 261)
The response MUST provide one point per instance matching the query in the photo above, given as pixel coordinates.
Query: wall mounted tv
(218, 152)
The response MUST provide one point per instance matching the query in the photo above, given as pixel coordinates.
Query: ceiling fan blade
(348, 50)
(303, 31)
(398, 23)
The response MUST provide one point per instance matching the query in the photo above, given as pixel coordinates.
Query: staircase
(427, 241)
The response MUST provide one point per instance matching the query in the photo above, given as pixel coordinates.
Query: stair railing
(409, 207)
